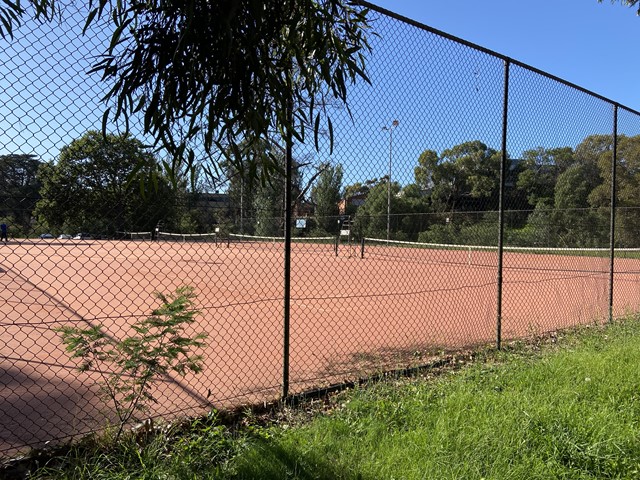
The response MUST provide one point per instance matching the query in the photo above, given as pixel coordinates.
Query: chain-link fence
(467, 199)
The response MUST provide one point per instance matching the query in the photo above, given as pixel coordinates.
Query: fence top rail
(493, 53)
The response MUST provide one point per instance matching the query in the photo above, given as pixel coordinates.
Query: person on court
(3, 232)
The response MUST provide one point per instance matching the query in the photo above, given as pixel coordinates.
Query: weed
(129, 367)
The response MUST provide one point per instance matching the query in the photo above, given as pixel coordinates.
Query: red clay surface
(349, 316)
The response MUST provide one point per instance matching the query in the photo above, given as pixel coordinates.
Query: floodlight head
(393, 125)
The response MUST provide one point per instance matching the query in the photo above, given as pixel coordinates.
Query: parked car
(46, 236)
(83, 236)
(65, 236)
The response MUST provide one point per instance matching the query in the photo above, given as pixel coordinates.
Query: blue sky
(591, 44)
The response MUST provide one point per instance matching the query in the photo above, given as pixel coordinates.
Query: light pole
(390, 129)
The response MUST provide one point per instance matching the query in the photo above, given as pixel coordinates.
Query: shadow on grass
(268, 459)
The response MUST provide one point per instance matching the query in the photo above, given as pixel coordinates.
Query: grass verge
(567, 409)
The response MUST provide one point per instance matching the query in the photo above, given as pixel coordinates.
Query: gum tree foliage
(628, 3)
(628, 189)
(12, 11)
(326, 196)
(371, 218)
(268, 197)
(18, 190)
(408, 206)
(407, 219)
(569, 190)
(574, 220)
(423, 172)
(241, 189)
(103, 185)
(258, 207)
(539, 170)
(207, 74)
(627, 184)
(464, 177)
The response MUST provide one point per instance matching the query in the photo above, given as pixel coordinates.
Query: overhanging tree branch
(209, 74)
(205, 75)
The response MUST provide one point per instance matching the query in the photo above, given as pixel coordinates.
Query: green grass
(569, 411)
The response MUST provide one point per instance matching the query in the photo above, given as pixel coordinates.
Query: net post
(612, 225)
(362, 248)
(336, 244)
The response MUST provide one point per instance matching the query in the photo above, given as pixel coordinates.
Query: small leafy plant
(130, 366)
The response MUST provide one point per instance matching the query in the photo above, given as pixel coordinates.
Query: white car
(82, 236)
(65, 236)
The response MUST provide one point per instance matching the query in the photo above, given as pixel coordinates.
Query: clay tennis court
(350, 316)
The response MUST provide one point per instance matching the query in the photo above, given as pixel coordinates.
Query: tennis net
(188, 237)
(257, 241)
(482, 255)
(134, 235)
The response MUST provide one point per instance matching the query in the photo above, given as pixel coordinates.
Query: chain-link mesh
(397, 249)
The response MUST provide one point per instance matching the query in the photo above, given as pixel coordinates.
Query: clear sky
(591, 44)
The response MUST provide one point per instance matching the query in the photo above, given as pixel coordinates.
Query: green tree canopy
(576, 223)
(326, 195)
(423, 173)
(96, 186)
(627, 186)
(465, 176)
(539, 170)
(19, 188)
(258, 206)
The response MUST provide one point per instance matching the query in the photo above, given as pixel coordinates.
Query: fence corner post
(612, 225)
(503, 168)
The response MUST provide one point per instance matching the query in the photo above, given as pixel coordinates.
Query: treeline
(553, 196)
(102, 185)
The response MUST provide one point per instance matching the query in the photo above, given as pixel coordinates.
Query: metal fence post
(287, 251)
(612, 226)
(503, 167)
